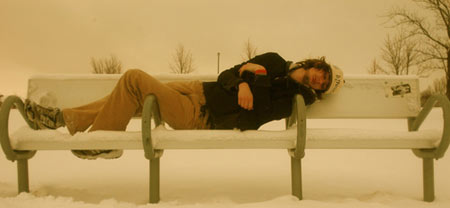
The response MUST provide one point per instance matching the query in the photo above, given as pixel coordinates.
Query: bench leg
(154, 180)
(428, 179)
(22, 175)
(296, 174)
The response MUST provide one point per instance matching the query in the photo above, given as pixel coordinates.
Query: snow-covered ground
(231, 178)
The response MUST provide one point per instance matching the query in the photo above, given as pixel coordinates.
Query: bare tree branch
(376, 68)
(415, 21)
(399, 54)
(250, 50)
(433, 30)
(1, 100)
(183, 63)
(106, 66)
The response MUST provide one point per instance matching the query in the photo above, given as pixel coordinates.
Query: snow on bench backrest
(362, 96)
(371, 96)
(65, 91)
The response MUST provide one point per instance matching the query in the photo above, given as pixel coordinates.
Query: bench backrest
(65, 91)
(371, 96)
(362, 96)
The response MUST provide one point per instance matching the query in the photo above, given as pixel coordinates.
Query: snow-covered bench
(361, 97)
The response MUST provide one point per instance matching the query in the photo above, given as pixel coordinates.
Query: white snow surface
(233, 178)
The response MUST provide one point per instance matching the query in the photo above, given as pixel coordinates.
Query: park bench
(364, 96)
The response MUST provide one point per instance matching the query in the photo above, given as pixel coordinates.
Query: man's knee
(133, 74)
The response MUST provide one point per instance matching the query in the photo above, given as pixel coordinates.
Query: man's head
(318, 74)
(336, 80)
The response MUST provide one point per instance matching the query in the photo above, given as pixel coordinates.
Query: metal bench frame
(298, 117)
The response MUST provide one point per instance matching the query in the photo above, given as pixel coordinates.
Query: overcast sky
(60, 36)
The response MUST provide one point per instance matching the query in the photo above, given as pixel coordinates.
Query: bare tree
(399, 56)
(183, 63)
(439, 86)
(250, 50)
(376, 68)
(392, 54)
(1, 100)
(432, 31)
(106, 66)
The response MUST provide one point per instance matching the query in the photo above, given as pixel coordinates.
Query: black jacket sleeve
(253, 120)
(230, 79)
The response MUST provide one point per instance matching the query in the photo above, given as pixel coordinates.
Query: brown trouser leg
(179, 104)
(80, 118)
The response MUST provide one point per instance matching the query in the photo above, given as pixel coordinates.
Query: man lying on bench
(245, 96)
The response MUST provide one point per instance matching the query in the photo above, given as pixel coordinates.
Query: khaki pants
(179, 103)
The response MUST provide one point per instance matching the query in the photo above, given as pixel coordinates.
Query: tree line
(182, 61)
(419, 43)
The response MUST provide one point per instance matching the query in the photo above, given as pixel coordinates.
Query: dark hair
(318, 63)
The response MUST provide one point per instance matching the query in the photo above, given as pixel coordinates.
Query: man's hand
(245, 96)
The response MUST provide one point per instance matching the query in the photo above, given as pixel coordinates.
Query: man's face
(316, 79)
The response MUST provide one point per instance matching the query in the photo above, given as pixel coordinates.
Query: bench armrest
(5, 109)
(414, 124)
(149, 110)
(299, 115)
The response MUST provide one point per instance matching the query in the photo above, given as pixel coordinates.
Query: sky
(61, 36)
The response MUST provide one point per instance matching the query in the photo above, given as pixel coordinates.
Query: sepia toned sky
(61, 36)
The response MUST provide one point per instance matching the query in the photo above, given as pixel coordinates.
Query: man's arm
(245, 95)
(253, 119)
(232, 79)
(254, 68)
(271, 62)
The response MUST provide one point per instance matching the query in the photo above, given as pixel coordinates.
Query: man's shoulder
(270, 56)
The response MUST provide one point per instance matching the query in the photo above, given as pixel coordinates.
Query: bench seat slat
(28, 139)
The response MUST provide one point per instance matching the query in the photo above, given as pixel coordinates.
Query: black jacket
(272, 94)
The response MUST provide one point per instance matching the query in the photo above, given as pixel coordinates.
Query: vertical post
(428, 179)
(154, 180)
(296, 175)
(218, 62)
(22, 175)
